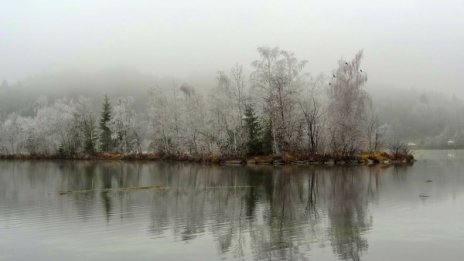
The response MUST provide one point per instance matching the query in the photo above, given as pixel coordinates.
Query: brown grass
(287, 158)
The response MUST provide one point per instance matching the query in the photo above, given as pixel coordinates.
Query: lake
(172, 211)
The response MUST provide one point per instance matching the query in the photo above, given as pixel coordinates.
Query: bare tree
(159, 114)
(84, 121)
(123, 126)
(374, 133)
(198, 139)
(277, 76)
(347, 107)
(313, 113)
(399, 148)
(227, 108)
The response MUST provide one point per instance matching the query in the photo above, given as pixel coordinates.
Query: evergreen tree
(254, 144)
(105, 131)
(267, 138)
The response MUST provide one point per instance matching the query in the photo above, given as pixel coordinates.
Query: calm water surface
(193, 212)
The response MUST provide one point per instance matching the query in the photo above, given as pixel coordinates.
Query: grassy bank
(361, 159)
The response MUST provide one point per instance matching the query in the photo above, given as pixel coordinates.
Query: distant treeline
(278, 109)
(430, 120)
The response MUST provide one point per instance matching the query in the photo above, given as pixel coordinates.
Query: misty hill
(429, 119)
(21, 97)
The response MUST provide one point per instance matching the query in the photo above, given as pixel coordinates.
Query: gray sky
(407, 43)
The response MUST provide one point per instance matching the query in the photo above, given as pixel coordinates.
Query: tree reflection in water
(347, 212)
(259, 212)
(276, 211)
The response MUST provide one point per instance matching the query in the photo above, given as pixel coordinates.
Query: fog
(408, 43)
(144, 54)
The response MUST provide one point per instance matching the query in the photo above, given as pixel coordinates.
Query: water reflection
(348, 214)
(259, 212)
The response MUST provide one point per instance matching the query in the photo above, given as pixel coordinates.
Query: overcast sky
(407, 43)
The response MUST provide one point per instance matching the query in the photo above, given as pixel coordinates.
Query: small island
(278, 114)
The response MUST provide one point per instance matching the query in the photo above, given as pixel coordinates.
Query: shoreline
(362, 159)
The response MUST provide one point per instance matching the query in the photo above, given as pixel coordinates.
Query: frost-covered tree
(198, 139)
(374, 132)
(283, 111)
(41, 134)
(53, 128)
(64, 126)
(277, 78)
(227, 111)
(313, 113)
(347, 107)
(12, 134)
(84, 120)
(123, 126)
(164, 120)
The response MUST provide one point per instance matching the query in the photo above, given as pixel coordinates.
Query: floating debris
(134, 189)
(107, 190)
(228, 187)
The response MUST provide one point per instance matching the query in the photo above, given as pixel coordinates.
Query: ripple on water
(230, 213)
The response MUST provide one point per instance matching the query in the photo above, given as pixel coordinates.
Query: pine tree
(254, 144)
(267, 139)
(105, 132)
